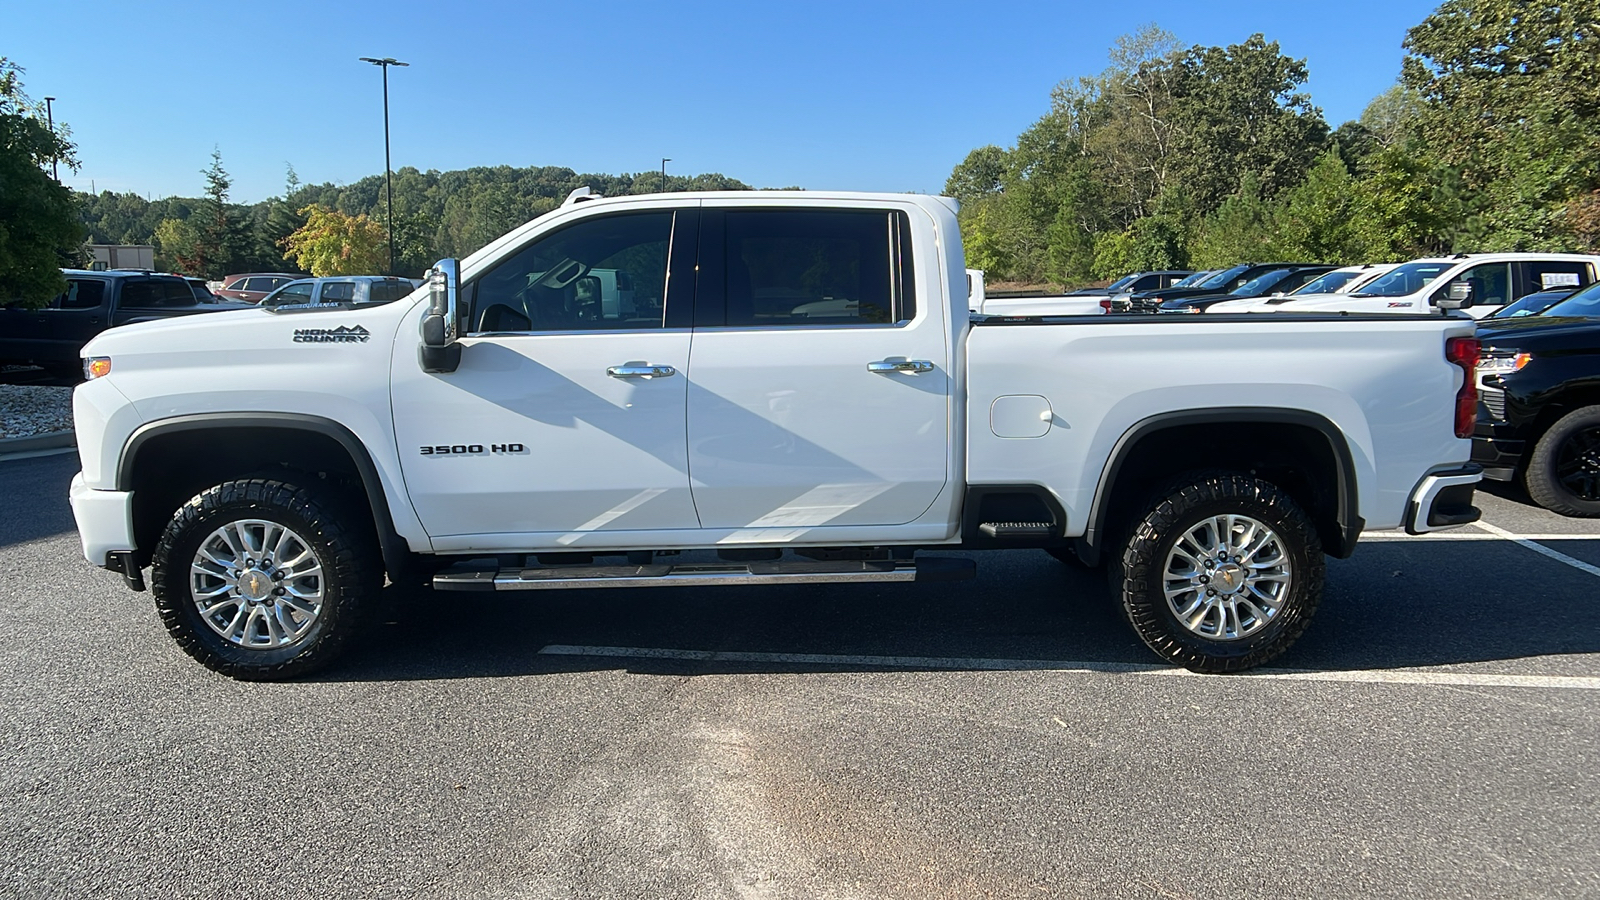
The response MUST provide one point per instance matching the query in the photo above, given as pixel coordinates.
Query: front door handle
(909, 366)
(640, 370)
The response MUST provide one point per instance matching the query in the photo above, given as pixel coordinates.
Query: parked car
(1493, 280)
(1222, 282)
(351, 290)
(1276, 283)
(508, 429)
(1121, 302)
(1329, 284)
(51, 336)
(1539, 410)
(1132, 284)
(1531, 305)
(255, 286)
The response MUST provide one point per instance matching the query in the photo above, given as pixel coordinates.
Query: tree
(1511, 101)
(981, 174)
(333, 243)
(39, 226)
(1237, 111)
(220, 239)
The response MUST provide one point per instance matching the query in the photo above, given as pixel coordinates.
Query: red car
(253, 287)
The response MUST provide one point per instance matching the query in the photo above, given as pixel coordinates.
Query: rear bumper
(1499, 457)
(1443, 499)
(105, 520)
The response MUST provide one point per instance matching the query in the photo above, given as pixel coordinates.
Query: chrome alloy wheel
(1227, 577)
(257, 584)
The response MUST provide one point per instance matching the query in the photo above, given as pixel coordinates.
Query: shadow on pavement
(33, 498)
(1394, 605)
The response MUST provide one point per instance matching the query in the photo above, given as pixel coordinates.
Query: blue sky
(846, 95)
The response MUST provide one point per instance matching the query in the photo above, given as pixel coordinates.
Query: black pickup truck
(51, 336)
(1539, 410)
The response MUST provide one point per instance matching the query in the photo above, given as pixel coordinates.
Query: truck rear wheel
(262, 580)
(1222, 574)
(1564, 469)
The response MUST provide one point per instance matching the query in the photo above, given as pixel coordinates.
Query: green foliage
(1490, 141)
(335, 243)
(39, 227)
(1511, 102)
(437, 214)
(220, 237)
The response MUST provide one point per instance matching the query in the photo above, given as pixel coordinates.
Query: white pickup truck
(1488, 281)
(797, 392)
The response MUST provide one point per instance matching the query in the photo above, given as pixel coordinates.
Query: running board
(927, 568)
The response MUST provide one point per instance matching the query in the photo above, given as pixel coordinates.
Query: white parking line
(1380, 536)
(1419, 676)
(1525, 541)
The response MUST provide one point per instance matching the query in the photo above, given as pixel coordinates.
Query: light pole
(664, 161)
(388, 181)
(50, 118)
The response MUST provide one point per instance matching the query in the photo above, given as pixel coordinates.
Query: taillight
(1463, 351)
(1106, 304)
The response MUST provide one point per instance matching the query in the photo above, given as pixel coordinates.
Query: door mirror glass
(441, 322)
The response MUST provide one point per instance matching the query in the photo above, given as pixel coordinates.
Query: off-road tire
(1543, 482)
(1136, 575)
(335, 529)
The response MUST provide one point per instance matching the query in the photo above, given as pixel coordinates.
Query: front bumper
(1499, 457)
(1443, 499)
(105, 521)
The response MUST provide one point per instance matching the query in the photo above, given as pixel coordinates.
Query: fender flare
(1347, 509)
(396, 552)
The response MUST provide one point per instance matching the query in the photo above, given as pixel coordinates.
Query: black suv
(1539, 410)
(52, 335)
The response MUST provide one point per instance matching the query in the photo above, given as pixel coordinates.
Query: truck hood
(225, 336)
(1538, 332)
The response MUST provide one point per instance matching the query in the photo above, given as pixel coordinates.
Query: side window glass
(294, 293)
(177, 293)
(141, 294)
(1491, 283)
(1553, 276)
(236, 285)
(607, 273)
(82, 295)
(336, 291)
(802, 267)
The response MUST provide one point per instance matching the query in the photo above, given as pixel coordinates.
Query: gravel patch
(34, 409)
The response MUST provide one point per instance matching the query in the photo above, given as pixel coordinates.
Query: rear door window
(338, 291)
(82, 294)
(1554, 275)
(805, 267)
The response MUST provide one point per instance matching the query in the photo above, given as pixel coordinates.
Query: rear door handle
(640, 370)
(909, 366)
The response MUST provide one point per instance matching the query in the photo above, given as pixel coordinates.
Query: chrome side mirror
(441, 324)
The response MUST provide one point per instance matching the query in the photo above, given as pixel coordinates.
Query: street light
(50, 117)
(388, 181)
(664, 161)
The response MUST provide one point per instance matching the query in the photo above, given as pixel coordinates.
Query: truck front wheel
(1222, 574)
(262, 580)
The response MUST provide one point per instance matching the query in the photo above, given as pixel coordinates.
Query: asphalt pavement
(1434, 734)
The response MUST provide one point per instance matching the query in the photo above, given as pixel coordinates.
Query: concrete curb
(35, 442)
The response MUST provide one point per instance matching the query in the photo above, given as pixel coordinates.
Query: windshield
(1584, 303)
(1121, 283)
(1260, 284)
(1223, 277)
(1404, 280)
(1531, 305)
(1327, 284)
(1194, 279)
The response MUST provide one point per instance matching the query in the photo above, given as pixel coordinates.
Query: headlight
(96, 367)
(1502, 363)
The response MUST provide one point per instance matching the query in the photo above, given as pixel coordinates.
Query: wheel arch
(1131, 468)
(325, 440)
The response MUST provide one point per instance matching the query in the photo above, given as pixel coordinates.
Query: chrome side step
(927, 568)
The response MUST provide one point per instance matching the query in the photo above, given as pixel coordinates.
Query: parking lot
(1433, 735)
